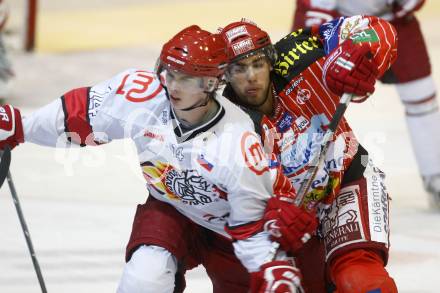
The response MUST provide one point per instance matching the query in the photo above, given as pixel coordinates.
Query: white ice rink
(79, 204)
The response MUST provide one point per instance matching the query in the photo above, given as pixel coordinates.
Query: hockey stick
(4, 171)
(4, 164)
(319, 157)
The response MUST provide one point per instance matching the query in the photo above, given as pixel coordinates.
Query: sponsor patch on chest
(285, 122)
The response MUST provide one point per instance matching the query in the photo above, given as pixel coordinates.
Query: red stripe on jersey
(244, 231)
(324, 102)
(282, 186)
(76, 119)
(385, 49)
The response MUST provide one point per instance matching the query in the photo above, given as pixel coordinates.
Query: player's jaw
(252, 94)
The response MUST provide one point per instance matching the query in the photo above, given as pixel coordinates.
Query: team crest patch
(186, 186)
(189, 186)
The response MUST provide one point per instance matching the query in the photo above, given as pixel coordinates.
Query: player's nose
(251, 73)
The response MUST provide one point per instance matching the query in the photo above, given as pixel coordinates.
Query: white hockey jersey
(215, 174)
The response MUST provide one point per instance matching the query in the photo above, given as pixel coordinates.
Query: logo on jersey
(305, 146)
(253, 153)
(341, 222)
(287, 140)
(139, 86)
(189, 186)
(302, 96)
(301, 123)
(378, 207)
(186, 186)
(366, 36)
(298, 56)
(96, 100)
(294, 85)
(285, 122)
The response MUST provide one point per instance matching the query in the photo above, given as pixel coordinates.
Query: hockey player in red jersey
(203, 164)
(411, 73)
(296, 88)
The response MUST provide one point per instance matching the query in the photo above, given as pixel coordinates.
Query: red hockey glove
(276, 277)
(288, 224)
(348, 69)
(11, 128)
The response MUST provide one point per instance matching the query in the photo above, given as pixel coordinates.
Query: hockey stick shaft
(4, 164)
(319, 158)
(26, 233)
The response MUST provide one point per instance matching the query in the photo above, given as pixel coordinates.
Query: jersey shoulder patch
(296, 52)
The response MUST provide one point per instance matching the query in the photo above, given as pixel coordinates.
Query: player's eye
(238, 68)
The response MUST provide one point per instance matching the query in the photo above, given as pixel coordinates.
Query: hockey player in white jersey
(202, 161)
(411, 73)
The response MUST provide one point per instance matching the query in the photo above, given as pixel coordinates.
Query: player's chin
(178, 104)
(255, 101)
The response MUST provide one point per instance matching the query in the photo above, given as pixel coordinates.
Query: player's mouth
(174, 98)
(252, 91)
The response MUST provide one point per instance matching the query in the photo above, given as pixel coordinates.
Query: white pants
(151, 269)
(423, 120)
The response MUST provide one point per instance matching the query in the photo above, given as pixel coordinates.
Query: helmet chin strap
(201, 103)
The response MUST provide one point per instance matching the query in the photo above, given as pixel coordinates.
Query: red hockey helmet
(195, 52)
(244, 38)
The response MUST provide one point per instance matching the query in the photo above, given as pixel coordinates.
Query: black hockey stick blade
(4, 164)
